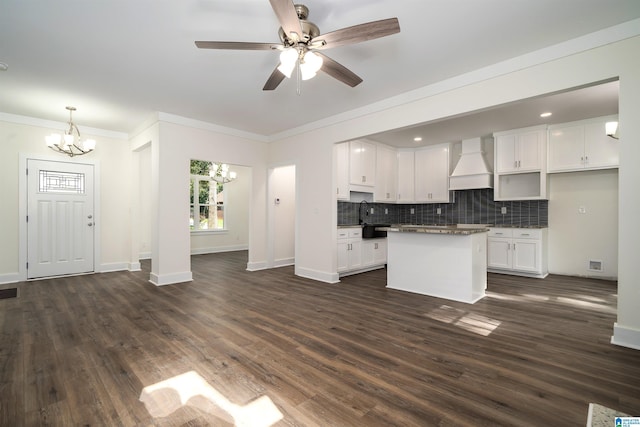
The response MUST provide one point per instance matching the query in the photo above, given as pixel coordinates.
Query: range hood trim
(471, 171)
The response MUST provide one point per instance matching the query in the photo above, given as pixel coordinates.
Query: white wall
(282, 186)
(144, 196)
(574, 237)
(236, 217)
(511, 81)
(21, 135)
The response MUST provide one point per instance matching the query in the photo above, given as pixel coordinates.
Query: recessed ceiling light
(417, 139)
(3, 66)
(547, 114)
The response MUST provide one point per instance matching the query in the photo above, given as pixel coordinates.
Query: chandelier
(67, 143)
(220, 173)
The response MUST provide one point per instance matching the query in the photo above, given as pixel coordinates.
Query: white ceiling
(120, 61)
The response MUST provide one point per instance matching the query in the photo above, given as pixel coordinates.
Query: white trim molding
(9, 278)
(320, 276)
(625, 337)
(170, 279)
(218, 249)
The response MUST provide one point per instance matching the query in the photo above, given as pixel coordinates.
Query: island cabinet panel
(432, 174)
(519, 251)
(443, 265)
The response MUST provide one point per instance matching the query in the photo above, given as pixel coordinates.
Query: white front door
(60, 218)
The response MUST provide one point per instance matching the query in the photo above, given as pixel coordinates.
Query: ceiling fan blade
(288, 17)
(236, 45)
(338, 71)
(274, 80)
(357, 33)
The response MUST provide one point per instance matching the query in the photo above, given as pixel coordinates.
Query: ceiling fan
(301, 43)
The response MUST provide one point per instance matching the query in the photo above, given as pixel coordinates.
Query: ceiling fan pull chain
(298, 79)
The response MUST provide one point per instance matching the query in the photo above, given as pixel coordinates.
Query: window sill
(206, 232)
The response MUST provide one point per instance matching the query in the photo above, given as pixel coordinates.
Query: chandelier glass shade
(220, 173)
(308, 62)
(70, 143)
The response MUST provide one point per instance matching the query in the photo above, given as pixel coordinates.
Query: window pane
(192, 221)
(203, 197)
(220, 216)
(61, 182)
(204, 218)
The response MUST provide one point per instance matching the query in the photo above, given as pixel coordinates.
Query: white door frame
(270, 262)
(23, 195)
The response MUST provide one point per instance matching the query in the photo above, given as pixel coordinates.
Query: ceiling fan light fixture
(310, 65)
(288, 59)
(611, 129)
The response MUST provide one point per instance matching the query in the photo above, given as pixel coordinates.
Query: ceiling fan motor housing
(309, 29)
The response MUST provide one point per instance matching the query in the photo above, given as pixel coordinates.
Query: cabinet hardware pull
(525, 234)
(586, 159)
(515, 164)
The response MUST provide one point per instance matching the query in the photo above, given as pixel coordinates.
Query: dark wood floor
(80, 350)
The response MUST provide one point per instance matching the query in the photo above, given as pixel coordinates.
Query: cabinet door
(368, 249)
(601, 151)
(343, 255)
(526, 255)
(355, 254)
(362, 163)
(566, 148)
(386, 171)
(499, 253)
(406, 177)
(432, 174)
(505, 157)
(342, 171)
(529, 150)
(380, 252)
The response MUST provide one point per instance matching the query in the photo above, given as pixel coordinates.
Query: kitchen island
(442, 261)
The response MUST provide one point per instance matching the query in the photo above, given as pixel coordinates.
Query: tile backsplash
(469, 207)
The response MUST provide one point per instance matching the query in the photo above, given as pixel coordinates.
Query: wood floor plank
(80, 350)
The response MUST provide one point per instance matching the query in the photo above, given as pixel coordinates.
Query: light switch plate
(503, 210)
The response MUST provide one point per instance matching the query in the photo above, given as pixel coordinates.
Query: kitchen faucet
(366, 206)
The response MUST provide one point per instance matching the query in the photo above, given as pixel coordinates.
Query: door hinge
(27, 218)
(27, 266)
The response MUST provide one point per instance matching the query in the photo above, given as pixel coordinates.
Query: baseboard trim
(111, 267)
(517, 273)
(283, 262)
(320, 276)
(256, 266)
(625, 337)
(9, 278)
(134, 266)
(218, 249)
(170, 279)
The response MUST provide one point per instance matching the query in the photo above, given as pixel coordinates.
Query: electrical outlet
(503, 210)
(582, 210)
(371, 211)
(439, 211)
(413, 211)
(386, 211)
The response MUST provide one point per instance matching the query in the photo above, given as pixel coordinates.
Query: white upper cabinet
(432, 174)
(386, 173)
(582, 145)
(406, 176)
(362, 163)
(342, 170)
(520, 150)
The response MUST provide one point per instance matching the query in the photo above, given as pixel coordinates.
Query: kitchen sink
(369, 231)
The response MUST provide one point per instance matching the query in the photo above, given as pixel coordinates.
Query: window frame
(196, 205)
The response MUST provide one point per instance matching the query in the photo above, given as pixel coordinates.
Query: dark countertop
(463, 229)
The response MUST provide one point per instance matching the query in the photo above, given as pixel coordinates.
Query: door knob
(90, 224)
(90, 216)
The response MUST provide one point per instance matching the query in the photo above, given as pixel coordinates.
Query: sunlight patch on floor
(163, 398)
(587, 304)
(471, 322)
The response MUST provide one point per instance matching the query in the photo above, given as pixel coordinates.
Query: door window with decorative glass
(206, 198)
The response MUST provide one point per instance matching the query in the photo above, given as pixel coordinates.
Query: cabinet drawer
(355, 233)
(500, 232)
(343, 233)
(527, 233)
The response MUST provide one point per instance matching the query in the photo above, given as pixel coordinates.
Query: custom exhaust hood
(472, 171)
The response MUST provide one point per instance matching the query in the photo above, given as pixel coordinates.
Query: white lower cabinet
(356, 255)
(521, 251)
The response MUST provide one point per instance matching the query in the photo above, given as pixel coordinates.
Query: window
(206, 199)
